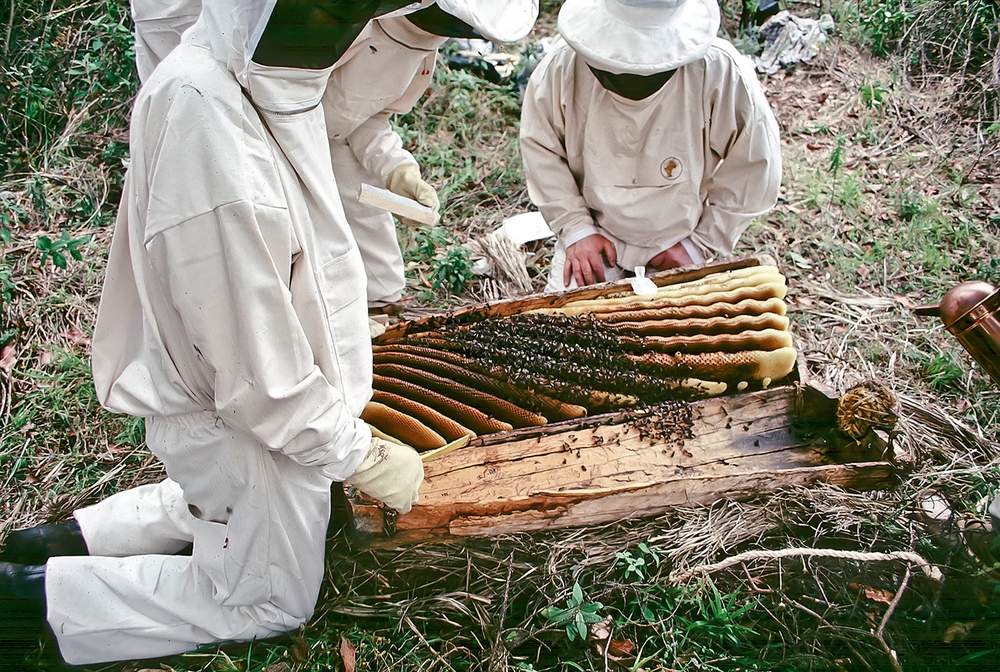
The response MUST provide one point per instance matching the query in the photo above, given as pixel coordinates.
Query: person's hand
(673, 257)
(586, 259)
(405, 181)
(391, 473)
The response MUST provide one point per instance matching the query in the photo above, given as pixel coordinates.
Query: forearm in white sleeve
(551, 184)
(379, 148)
(745, 185)
(226, 273)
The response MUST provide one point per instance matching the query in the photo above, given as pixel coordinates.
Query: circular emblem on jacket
(671, 168)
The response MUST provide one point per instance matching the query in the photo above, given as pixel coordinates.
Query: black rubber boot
(35, 545)
(22, 612)
(341, 513)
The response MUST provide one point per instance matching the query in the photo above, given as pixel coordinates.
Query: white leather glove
(405, 181)
(391, 473)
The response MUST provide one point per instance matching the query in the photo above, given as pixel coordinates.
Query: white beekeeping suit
(390, 68)
(159, 25)
(387, 70)
(689, 164)
(233, 319)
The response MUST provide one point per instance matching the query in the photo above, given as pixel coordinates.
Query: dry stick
(893, 658)
(495, 659)
(427, 644)
(930, 570)
(10, 27)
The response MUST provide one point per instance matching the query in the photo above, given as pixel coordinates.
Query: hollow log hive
(596, 405)
(724, 332)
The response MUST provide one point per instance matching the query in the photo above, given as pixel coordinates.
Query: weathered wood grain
(605, 468)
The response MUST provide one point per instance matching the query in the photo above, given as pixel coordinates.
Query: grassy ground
(890, 198)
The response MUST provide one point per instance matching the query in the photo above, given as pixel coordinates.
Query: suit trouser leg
(258, 522)
(151, 518)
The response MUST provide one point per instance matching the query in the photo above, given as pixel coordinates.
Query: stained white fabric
(640, 37)
(159, 25)
(699, 159)
(257, 520)
(231, 30)
(389, 68)
(497, 20)
(233, 318)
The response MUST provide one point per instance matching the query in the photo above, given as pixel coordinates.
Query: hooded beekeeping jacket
(697, 160)
(237, 296)
(388, 69)
(385, 72)
(233, 320)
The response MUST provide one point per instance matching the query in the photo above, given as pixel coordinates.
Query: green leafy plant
(717, 617)
(452, 269)
(58, 249)
(636, 564)
(837, 156)
(427, 240)
(873, 94)
(885, 25)
(7, 284)
(576, 617)
(943, 371)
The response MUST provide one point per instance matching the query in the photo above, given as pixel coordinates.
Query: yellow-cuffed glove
(375, 328)
(405, 181)
(391, 473)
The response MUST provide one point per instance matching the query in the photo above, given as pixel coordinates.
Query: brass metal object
(971, 311)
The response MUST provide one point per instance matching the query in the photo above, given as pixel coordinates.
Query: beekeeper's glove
(375, 328)
(391, 473)
(405, 181)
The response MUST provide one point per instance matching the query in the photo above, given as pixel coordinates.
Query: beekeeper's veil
(291, 33)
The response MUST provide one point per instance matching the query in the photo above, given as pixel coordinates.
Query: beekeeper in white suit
(392, 67)
(385, 72)
(233, 320)
(646, 140)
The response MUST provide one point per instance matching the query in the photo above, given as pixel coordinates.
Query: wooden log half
(581, 473)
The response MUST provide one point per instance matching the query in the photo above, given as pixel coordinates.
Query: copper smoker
(971, 311)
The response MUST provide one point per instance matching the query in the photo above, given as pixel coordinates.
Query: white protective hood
(231, 29)
(497, 20)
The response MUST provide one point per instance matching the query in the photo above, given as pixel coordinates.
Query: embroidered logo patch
(671, 168)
